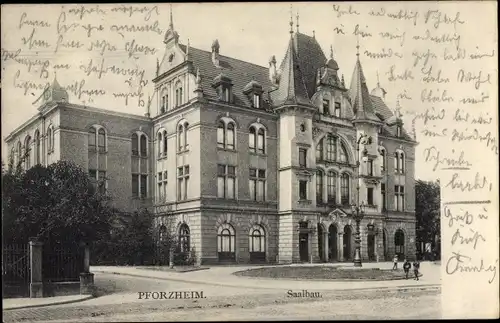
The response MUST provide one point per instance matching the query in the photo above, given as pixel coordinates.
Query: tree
(427, 213)
(54, 203)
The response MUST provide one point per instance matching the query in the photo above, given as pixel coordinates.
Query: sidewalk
(20, 303)
(223, 276)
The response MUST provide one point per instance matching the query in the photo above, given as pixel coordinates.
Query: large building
(250, 163)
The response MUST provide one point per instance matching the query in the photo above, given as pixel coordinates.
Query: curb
(422, 287)
(49, 304)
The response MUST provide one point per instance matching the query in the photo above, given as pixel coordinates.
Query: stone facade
(259, 164)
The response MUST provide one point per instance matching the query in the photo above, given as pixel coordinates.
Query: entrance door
(303, 247)
(371, 247)
(347, 243)
(332, 243)
(320, 242)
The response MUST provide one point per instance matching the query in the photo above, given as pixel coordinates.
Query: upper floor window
(331, 147)
(343, 158)
(225, 135)
(319, 186)
(178, 95)
(162, 186)
(164, 101)
(303, 190)
(337, 109)
(383, 195)
(226, 181)
(101, 140)
(97, 136)
(256, 139)
(369, 165)
(92, 138)
(37, 147)
(319, 150)
(27, 149)
(302, 157)
(326, 107)
(99, 180)
(139, 145)
(369, 195)
(19, 152)
(382, 160)
(332, 187)
(50, 139)
(344, 187)
(256, 100)
(182, 138)
(162, 143)
(399, 197)
(399, 162)
(257, 184)
(182, 182)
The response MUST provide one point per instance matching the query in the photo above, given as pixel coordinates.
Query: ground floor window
(184, 238)
(399, 243)
(257, 244)
(226, 241)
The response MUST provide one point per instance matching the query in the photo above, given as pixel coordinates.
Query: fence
(62, 262)
(15, 270)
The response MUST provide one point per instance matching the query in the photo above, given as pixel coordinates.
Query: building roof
(239, 72)
(360, 97)
(292, 88)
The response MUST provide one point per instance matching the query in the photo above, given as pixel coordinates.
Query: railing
(16, 270)
(62, 262)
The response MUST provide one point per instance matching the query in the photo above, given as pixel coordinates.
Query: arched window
(180, 138)
(164, 101)
(344, 187)
(37, 147)
(331, 148)
(319, 186)
(332, 187)
(221, 134)
(343, 158)
(260, 141)
(399, 243)
(251, 139)
(160, 144)
(27, 149)
(101, 140)
(186, 128)
(257, 244)
(184, 238)
(49, 140)
(162, 233)
(165, 143)
(19, 152)
(399, 162)
(319, 150)
(144, 146)
(230, 136)
(92, 139)
(135, 145)
(226, 240)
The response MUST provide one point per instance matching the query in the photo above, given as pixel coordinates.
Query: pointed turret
(171, 34)
(53, 93)
(292, 89)
(379, 91)
(360, 97)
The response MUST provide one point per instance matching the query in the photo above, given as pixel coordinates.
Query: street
(118, 300)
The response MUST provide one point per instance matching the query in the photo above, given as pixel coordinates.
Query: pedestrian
(406, 267)
(395, 267)
(416, 267)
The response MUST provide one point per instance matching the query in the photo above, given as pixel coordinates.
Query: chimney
(272, 69)
(215, 52)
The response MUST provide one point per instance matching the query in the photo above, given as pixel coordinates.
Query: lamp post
(358, 210)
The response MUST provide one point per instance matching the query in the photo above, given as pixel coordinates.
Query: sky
(251, 32)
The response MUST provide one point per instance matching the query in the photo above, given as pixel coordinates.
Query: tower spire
(331, 52)
(291, 20)
(297, 20)
(378, 81)
(171, 18)
(357, 46)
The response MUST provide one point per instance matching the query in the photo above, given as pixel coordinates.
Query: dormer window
(337, 110)
(253, 90)
(223, 86)
(326, 107)
(256, 100)
(171, 57)
(398, 131)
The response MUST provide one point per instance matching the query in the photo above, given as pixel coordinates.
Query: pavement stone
(19, 303)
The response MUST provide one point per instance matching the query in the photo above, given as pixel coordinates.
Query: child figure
(406, 267)
(395, 267)
(416, 267)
